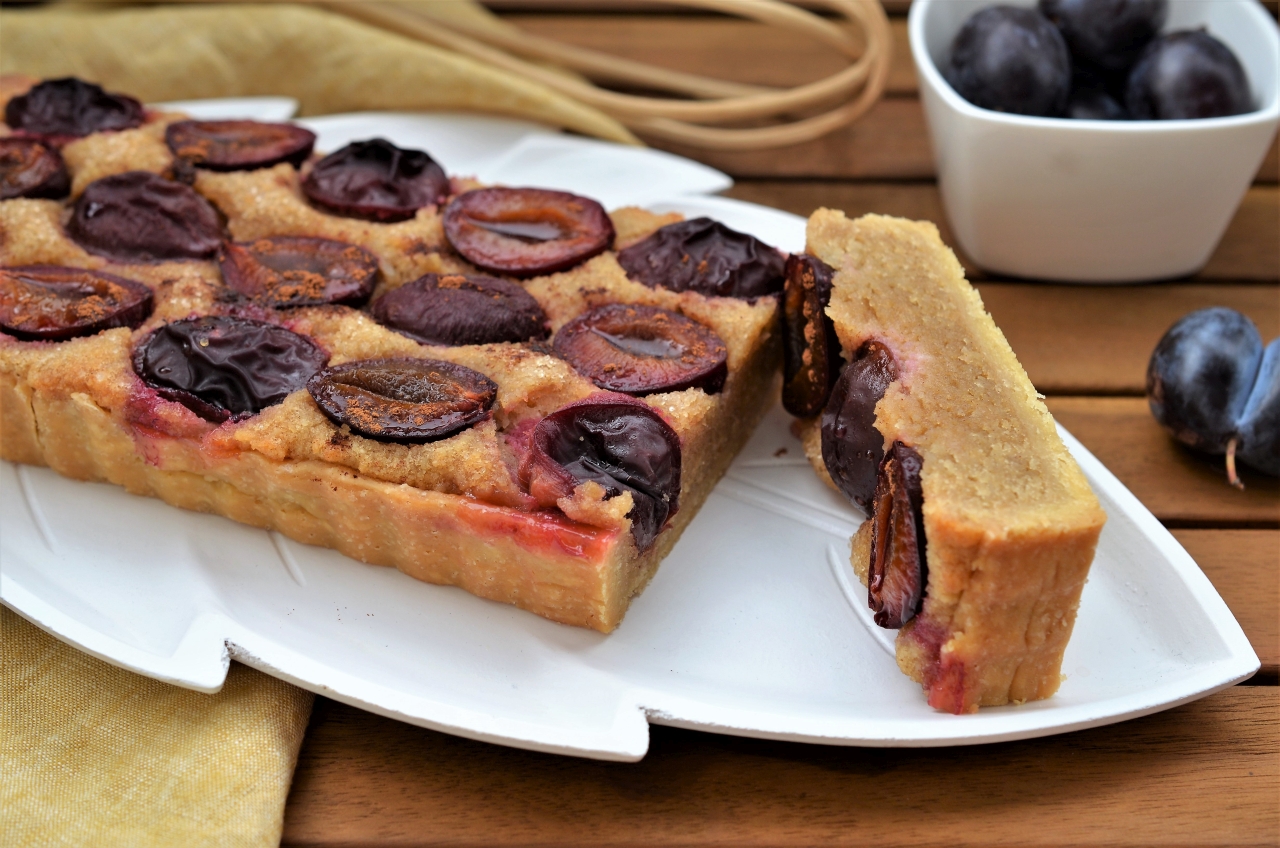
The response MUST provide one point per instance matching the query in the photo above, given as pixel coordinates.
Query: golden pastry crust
(1010, 521)
(451, 511)
(105, 154)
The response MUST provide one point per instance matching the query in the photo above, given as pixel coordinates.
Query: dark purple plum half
(616, 441)
(898, 571)
(139, 216)
(30, 168)
(238, 145)
(852, 447)
(403, 400)
(457, 309)
(704, 256)
(221, 367)
(285, 271)
(376, 181)
(52, 303)
(70, 107)
(524, 232)
(811, 350)
(641, 350)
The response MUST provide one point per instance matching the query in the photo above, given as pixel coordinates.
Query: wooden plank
(893, 7)
(891, 142)
(1205, 773)
(1080, 340)
(1249, 250)
(1244, 566)
(1180, 486)
(738, 50)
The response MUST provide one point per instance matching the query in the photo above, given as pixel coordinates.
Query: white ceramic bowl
(1096, 201)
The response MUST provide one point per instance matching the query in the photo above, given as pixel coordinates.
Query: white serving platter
(753, 626)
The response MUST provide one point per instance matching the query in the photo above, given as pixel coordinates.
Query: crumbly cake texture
(449, 512)
(1010, 522)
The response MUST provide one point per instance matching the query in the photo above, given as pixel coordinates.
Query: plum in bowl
(1096, 201)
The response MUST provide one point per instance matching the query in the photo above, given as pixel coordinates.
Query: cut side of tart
(981, 526)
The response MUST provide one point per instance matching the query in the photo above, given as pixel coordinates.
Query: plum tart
(981, 527)
(362, 352)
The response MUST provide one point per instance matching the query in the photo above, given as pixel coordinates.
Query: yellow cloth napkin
(94, 755)
(329, 62)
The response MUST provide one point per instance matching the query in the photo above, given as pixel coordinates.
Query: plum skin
(222, 367)
(1187, 75)
(1260, 421)
(1011, 59)
(1109, 34)
(617, 441)
(1212, 387)
(1200, 375)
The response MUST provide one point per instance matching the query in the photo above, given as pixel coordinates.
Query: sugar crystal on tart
(297, 344)
(981, 527)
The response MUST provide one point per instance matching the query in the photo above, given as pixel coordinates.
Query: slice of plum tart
(980, 526)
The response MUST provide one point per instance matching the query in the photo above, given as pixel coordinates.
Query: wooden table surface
(1205, 773)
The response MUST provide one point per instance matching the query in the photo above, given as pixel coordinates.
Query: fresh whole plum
(1260, 422)
(1108, 34)
(1011, 59)
(1210, 386)
(1091, 100)
(1188, 74)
